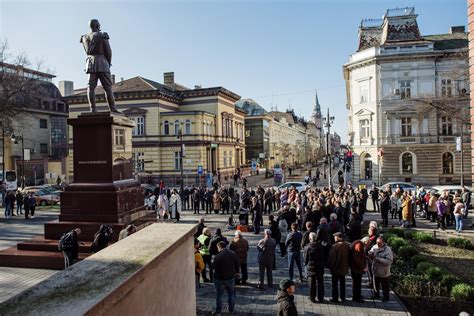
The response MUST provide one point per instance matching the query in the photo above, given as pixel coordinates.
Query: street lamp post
(328, 121)
(15, 139)
(181, 153)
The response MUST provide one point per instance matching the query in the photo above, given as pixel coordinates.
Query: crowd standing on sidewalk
(299, 226)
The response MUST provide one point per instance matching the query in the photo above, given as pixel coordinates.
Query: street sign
(254, 165)
(261, 155)
(214, 145)
(199, 170)
(26, 154)
(458, 143)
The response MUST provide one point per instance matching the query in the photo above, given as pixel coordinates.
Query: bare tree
(19, 90)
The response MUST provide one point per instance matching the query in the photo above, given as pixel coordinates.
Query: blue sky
(276, 52)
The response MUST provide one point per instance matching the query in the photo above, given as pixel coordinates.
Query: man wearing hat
(338, 263)
(286, 298)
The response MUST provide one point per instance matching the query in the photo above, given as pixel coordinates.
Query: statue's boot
(91, 99)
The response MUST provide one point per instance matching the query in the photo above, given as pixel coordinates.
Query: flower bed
(426, 287)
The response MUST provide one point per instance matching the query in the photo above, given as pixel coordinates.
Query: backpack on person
(66, 242)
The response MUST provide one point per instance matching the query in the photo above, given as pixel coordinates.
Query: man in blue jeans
(226, 267)
(293, 247)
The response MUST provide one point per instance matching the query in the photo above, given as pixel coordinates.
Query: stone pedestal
(103, 191)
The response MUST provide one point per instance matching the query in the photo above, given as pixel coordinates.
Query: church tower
(317, 116)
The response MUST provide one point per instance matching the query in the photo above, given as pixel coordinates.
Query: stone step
(12, 257)
(50, 245)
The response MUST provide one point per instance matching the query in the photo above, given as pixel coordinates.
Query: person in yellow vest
(199, 262)
(205, 240)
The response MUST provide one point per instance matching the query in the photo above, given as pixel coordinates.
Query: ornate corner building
(168, 117)
(407, 96)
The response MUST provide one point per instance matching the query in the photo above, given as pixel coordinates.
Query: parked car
(46, 199)
(403, 185)
(299, 186)
(452, 189)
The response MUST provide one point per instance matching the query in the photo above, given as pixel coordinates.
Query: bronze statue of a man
(98, 62)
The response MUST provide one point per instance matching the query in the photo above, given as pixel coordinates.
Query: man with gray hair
(266, 252)
(314, 260)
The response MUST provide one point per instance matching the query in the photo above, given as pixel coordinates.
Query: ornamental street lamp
(328, 121)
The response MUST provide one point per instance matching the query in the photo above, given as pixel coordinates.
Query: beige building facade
(169, 117)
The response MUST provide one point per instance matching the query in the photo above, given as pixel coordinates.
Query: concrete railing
(148, 273)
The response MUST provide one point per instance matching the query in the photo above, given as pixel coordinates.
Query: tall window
(406, 126)
(405, 89)
(176, 127)
(448, 163)
(43, 148)
(177, 161)
(364, 128)
(187, 129)
(230, 158)
(139, 129)
(224, 127)
(446, 88)
(43, 123)
(225, 158)
(166, 128)
(407, 163)
(139, 162)
(446, 125)
(119, 136)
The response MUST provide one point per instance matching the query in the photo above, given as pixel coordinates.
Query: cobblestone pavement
(16, 280)
(253, 301)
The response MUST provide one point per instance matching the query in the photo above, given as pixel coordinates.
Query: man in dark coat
(338, 263)
(314, 260)
(354, 228)
(293, 246)
(384, 207)
(226, 267)
(286, 298)
(266, 254)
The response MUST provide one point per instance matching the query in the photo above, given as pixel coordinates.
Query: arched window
(448, 163)
(407, 163)
(187, 129)
(166, 128)
(176, 127)
(366, 166)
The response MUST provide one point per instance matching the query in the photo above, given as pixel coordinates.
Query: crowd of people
(23, 204)
(314, 230)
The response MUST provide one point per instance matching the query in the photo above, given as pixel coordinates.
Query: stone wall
(148, 273)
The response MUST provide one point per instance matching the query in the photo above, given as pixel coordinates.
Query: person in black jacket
(293, 246)
(384, 207)
(354, 228)
(102, 238)
(286, 298)
(226, 267)
(276, 234)
(71, 255)
(257, 214)
(315, 260)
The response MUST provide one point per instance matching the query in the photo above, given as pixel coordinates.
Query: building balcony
(422, 139)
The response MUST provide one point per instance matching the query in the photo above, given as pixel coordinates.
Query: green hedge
(462, 292)
(448, 281)
(417, 259)
(459, 242)
(396, 243)
(422, 267)
(423, 237)
(407, 252)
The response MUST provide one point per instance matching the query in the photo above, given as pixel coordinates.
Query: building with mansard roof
(212, 128)
(407, 101)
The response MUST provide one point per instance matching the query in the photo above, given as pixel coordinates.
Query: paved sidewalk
(252, 301)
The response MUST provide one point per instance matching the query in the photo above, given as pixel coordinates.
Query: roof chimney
(457, 29)
(66, 88)
(168, 79)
